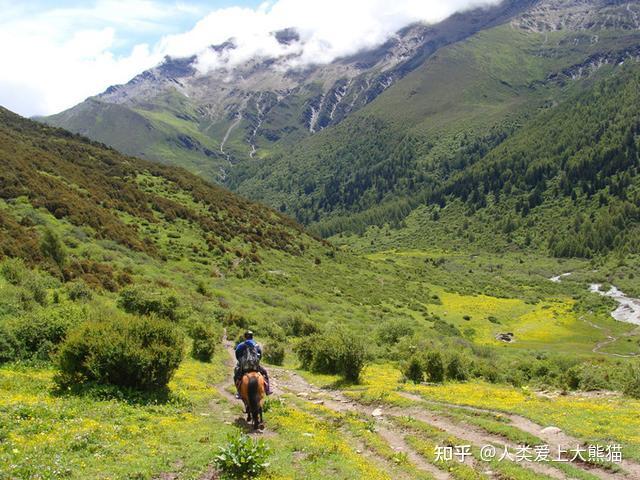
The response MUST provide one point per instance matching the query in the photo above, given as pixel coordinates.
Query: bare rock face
(552, 15)
(241, 108)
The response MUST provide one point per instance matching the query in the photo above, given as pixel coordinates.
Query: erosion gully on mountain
(287, 383)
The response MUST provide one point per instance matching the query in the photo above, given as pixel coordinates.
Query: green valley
(135, 234)
(435, 241)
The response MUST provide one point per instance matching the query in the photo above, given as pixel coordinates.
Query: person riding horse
(246, 352)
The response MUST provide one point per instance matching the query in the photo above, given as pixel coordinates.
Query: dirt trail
(399, 444)
(285, 381)
(554, 439)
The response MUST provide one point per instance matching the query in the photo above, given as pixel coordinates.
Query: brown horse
(252, 392)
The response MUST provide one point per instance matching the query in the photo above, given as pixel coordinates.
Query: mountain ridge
(271, 105)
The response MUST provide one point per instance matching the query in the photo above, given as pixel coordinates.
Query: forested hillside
(577, 151)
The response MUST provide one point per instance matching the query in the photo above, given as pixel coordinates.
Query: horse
(252, 392)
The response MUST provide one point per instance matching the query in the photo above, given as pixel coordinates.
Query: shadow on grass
(131, 396)
(242, 425)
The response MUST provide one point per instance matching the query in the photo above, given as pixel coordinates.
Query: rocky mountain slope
(366, 140)
(206, 121)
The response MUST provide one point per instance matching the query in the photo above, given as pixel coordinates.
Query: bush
(274, 353)
(52, 247)
(455, 369)
(353, 357)
(631, 385)
(37, 335)
(138, 352)
(414, 370)
(304, 350)
(38, 290)
(205, 337)
(138, 300)
(8, 344)
(79, 291)
(242, 457)
(595, 377)
(390, 333)
(298, 326)
(337, 352)
(434, 367)
(14, 271)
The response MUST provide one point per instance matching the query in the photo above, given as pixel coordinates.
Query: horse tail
(254, 395)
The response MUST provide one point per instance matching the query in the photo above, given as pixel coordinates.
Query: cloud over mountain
(57, 61)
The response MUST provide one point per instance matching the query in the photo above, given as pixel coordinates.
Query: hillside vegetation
(520, 145)
(119, 277)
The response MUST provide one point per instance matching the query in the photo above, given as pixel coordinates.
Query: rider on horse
(245, 352)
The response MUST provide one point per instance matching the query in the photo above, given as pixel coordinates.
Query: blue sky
(182, 18)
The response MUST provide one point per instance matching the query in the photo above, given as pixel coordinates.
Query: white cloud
(329, 29)
(57, 58)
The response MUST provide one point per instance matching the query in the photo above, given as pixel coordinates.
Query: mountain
(404, 148)
(366, 140)
(209, 122)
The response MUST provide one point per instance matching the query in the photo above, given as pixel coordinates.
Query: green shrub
(595, 377)
(434, 368)
(274, 353)
(242, 457)
(138, 300)
(335, 352)
(631, 384)
(38, 289)
(205, 338)
(298, 326)
(14, 271)
(391, 332)
(414, 369)
(52, 247)
(38, 334)
(455, 369)
(327, 349)
(353, 357)
(79, 291)
(304, 350)
(138, 352)
(571, 378)
(8, 344)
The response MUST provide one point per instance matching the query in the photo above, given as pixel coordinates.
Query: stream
(628, 307)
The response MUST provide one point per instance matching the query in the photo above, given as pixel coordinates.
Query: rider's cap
(248, 334)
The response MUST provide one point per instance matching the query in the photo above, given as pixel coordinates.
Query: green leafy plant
(242, 457)
(137, 352)
(138, 300)
(205, 337)
(414, 369)
(52, 247)
(631, 385)
(434, 367)
(274, 353)
(79, 291)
